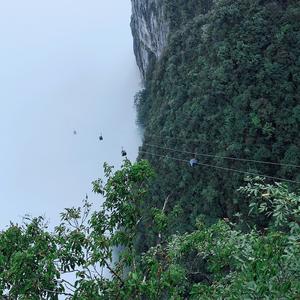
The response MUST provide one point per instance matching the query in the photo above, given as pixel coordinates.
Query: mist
(65, 65)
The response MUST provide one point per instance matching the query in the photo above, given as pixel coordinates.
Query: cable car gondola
(193, 162)
(123, 152)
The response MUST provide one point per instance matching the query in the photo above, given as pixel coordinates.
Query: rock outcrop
(150, 30)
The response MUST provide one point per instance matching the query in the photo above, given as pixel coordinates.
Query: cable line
(224, 157)
(165, 156)
(223, 168)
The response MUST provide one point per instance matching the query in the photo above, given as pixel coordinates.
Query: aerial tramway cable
(222, 168)
(224, 157)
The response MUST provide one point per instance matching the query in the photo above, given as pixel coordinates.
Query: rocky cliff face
(150, 30)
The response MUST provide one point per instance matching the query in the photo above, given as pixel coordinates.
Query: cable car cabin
(123, 152)
(101, 138)
(193, 162)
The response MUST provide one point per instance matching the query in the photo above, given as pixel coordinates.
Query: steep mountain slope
(227, 84)
(150, 29)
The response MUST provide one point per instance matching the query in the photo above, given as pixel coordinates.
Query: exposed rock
(150, 30)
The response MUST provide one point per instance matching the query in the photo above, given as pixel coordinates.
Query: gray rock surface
(150, 30)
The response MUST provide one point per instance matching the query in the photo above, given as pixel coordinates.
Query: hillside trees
(227, 85)
(211, 262)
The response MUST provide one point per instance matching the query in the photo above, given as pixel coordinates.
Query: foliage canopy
(228, 85)
(212, 262)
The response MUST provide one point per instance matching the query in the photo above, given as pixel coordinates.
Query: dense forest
(227, 85)
(211, 262)
(226, 92)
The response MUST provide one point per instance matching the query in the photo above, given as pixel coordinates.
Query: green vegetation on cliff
(228, 85)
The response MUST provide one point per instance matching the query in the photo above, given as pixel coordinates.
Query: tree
(34, 262)
(212, 262)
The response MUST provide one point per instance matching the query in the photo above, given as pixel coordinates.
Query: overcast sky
(65, 65)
